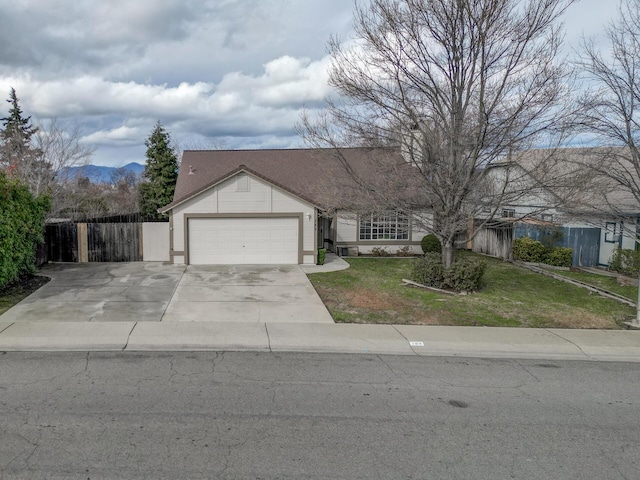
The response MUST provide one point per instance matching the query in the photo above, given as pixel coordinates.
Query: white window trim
(389, 226)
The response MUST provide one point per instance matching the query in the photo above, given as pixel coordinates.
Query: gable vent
(242, 183)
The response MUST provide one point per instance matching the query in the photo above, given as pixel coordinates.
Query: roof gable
(218, 181)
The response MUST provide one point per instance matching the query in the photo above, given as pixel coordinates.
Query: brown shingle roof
(302, 172)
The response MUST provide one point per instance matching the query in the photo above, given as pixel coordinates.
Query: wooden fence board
(114, 242)
(94, 242)
(62, 242)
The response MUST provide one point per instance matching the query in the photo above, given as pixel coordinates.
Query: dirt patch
(582, 319)
(15, 292)
(375, 300)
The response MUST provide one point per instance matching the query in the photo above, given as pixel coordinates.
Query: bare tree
(610, 112)
(59, 148)
(458, 86)
(610, 109)
(123, 191)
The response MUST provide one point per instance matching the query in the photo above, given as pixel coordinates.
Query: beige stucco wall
(155, 242)
(262, 197)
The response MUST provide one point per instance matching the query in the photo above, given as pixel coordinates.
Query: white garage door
(224, 241)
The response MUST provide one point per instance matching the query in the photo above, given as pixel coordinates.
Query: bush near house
(559, 257)
(21, 229)
(626, 262)
(379, 252)
(463, 275)
(526, 249)
(322, 255)
(430, 243)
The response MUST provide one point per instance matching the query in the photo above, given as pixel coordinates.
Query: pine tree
(16, 150)
(160, 172)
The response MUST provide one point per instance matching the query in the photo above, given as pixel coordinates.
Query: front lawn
(602, 281)
(371, 291)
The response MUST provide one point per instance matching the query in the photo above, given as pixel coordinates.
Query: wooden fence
(494, 240)
(92, 242)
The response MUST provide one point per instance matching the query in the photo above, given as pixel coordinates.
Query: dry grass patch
(375, 300)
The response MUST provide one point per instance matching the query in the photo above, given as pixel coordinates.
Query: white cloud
(285, 84)
(237, 69)
(122, 135)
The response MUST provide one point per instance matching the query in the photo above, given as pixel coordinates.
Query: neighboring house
(280, 206)
(570, 190)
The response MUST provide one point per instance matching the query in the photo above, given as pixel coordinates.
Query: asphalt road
(315, 416)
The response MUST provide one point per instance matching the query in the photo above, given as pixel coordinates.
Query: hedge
(559, 257)
(528, 250)
(322, 255)
(21, 229)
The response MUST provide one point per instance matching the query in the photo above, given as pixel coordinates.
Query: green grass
(14, 293)
(605, 282)
(371, 291)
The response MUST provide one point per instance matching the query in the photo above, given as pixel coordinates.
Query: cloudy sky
(232, 73)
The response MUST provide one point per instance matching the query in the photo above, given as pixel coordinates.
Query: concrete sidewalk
(488, 342)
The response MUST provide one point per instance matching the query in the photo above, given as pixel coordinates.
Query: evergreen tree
(16, 149)
(160, 172)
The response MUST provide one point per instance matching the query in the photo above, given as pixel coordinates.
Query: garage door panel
(224, 241)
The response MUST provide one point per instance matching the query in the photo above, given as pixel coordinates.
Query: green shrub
(529, 250)
(379, 252)
(559, 257)
(430, 243)
(626, 262)
(464, 274)
(322, 254)
(429, 270)
(21, 229)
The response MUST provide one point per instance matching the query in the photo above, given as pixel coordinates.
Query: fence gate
(585, 242)
(113, 242)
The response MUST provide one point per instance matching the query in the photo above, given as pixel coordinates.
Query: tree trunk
(448, 253)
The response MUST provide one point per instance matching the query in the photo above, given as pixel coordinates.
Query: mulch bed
(22, 288)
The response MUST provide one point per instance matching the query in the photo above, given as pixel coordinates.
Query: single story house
(281, 206)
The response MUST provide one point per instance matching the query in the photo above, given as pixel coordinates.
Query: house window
(508, 213)
(242, 183)
(610, 231)
(547, 217)
(389, 226)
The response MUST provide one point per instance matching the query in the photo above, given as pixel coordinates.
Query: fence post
(140, 243)
(83, 244)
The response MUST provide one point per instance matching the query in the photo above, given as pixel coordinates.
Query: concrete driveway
(246, 293)
(153, 292)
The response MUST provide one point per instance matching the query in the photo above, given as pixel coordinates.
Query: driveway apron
(100, 292)
(246, 293)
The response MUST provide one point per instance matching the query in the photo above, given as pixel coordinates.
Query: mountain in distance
(100, 173)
